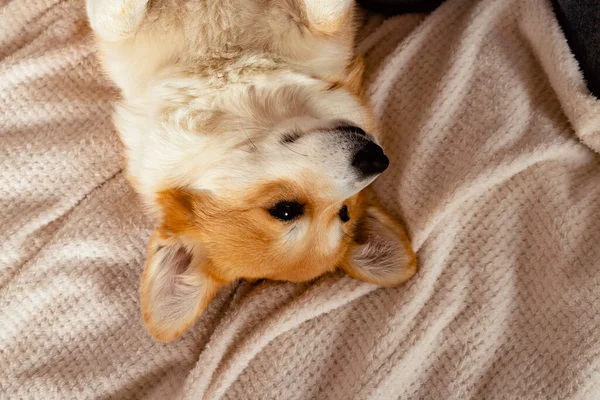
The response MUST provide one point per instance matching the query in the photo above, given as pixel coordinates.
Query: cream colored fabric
(493, 139)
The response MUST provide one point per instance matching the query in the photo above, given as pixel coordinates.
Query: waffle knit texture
(493, 140)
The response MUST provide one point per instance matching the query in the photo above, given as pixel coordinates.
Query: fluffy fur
(229, 107)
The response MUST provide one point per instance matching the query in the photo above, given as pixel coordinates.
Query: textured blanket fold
(494, 143)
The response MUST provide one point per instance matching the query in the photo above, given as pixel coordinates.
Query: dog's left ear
(175, 287)
(382, 253)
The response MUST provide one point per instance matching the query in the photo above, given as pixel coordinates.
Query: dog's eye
(286, 210)
(344, 213)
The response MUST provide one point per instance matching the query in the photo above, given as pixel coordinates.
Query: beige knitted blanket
(494, 142)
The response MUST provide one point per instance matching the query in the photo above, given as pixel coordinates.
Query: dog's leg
(328, 16)
(115, 20)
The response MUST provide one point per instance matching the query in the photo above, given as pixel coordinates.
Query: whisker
(248, 136)
(294, 151)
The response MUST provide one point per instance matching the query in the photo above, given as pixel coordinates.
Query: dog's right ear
(382, 253)
(175, 287)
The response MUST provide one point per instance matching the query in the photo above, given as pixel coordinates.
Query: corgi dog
(250, 145)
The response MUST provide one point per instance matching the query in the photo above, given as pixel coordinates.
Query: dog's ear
(175, 287)
(381, 252)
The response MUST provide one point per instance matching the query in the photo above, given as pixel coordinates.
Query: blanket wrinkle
(493, 139)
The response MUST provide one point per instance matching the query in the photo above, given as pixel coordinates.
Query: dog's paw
(328, 16)
(115, 20)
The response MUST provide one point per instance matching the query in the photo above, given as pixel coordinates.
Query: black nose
(370, 159)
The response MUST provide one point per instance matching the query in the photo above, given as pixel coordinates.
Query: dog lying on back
(248, 140)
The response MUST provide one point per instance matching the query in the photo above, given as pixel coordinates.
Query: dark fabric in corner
(580, 21)
(393, 7)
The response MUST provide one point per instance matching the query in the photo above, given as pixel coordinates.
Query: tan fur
(210, 89)
(242, 237)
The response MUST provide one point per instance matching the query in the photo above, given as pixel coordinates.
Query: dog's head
(272, 192)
